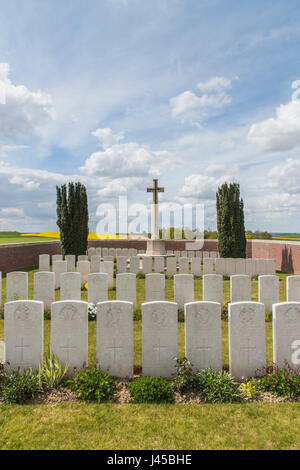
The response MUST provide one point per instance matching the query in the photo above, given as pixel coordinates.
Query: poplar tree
(73, 218)
(230, 220)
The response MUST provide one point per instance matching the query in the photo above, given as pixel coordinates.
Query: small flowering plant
(92, 312)
(282, 382)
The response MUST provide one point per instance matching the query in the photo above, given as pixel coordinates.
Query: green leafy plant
(151, 390)
(282, 382)
(18, 387)
(184, 379)
(52, 373)
(250, 389)
(93, 385)
(217, 387)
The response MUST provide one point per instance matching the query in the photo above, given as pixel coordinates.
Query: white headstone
(249, 267)
(91, 252)
(230, 266)
(196, 267)
(171, 266)
(118, 251)
(155, 287)
(70, 286)
(191, 254)
(84, 268)
(205, 254)
(270, 266)
(69, 334)
(159, 264)
(95, 264)
(121, 264)
(44, 288)
(183, 289)
(112, 252)
(203, 335)
(59, 267)
(134, 264)
(56, 258)
(108, 268)
(247, 338)
(82, 258)
(97, 287)
(126, 287)
(220, 266)
(115, 337)
(268, 291)
(23, 334)
(71, 263)
(208, 266)
(147, 265)
(240, 266)
(199, 254)
(293, 288)
(44, 262)
(240, 288)
(212, 254)
(213, 288)
(99, 251)
(16, 286)
(177, 254)
(105, 251)
(286, 334)
(184, 266)
(183, 254)
(132, 252)
(159, 338)
(108, 258)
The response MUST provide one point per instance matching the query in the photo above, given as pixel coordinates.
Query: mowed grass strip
(186, 427)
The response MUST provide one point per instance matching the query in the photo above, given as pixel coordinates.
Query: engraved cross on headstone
(203, 349)
(114, 349)
(248, 348)
(68, 348)
(157, 348)
(21, 347)
(155, 190)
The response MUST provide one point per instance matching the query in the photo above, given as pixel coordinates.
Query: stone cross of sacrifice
(154, 216)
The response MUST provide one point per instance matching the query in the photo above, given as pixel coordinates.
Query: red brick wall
(21, 256)
(287, 254)
(25, 255)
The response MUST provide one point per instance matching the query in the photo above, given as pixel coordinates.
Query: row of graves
(169, 265)
(24, 336)
(70, 286)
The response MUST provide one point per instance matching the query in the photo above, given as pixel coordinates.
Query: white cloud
(119, 186)
(280, 133)
(5, 149)
(215, 84)
(12, 211)
(22, 111)
(285, 177)
(190, 106)
(125, 160)
(202, 187)
(106, 137)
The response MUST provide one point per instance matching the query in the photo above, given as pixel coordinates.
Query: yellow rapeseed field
(92, 236)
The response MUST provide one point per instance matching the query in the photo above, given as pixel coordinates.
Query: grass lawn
(112, 426)
(109, 426)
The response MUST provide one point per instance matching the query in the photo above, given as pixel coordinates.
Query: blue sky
(116, 92)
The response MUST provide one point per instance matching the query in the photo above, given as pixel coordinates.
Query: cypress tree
(230, 220)
(72, 218)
